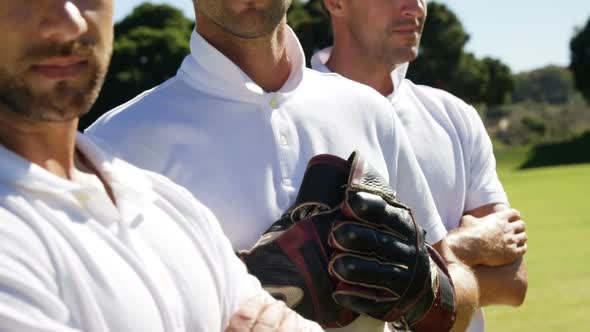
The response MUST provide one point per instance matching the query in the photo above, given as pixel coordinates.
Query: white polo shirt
(70, 260)
(451, 145)
(242, 152)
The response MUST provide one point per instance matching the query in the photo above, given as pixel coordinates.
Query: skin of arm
(466, 286)
(500, 269)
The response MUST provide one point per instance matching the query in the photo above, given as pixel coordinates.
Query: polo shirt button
(287, 182)
(274, 103)
(82, 197)
(283, 140)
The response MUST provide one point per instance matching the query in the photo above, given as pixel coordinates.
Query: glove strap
(437, 312)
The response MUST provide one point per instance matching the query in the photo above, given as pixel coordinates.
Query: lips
(408, 30)
(61, 68)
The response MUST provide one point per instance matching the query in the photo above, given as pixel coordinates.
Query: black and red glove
(291, 258)
(347, 247)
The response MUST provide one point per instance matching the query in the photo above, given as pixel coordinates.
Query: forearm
(467, 292)
(461, 243)
(466, 286)
(502, 285)
(498, 285)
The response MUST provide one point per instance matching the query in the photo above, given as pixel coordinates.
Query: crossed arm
(484, 256)
(499, 267)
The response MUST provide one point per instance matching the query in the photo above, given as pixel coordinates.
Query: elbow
(520, 288)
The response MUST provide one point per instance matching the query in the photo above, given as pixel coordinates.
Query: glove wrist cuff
(437, 310)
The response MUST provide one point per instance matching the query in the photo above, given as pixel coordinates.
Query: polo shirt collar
(319, 60)
(20, 172)
(207, 69)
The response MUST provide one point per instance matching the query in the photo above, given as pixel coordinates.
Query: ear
(336, 8)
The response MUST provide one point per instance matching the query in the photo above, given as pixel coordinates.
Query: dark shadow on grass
(573, 151)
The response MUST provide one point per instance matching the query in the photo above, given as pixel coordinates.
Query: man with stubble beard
(242, 117)
(374, 41)
(87, 241)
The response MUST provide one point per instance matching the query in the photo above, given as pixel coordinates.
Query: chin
(399, 58)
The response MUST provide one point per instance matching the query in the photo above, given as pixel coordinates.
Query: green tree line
(152, 41)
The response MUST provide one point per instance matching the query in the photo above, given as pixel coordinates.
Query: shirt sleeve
(483, 185)
(407, 179)
(234, 285)
(29, 300)
(239, 286)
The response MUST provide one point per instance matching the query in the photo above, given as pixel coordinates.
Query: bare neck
(263, 59)
(348, 60)
(50, 145)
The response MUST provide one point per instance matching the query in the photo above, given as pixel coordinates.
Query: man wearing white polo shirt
(87, 241)
(447, 135)
(242, 117)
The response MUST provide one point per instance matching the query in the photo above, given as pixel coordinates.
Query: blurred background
(525, 65)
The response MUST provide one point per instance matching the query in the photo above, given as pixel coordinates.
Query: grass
(554, 202)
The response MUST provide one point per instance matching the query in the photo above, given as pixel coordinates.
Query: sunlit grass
(555, 203)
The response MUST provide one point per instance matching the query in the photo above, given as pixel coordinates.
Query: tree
(551, 84)
(443, 62)
(500, 82)
(469, 80)
(312, 26)
(150, 45)
(580, 60)
(441, 48)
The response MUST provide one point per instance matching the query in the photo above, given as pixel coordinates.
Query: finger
(364, 239)
(468, 220)
(518, 226)
(245, 318)
(373, 209)
(521, 251)
(509, 214)
(363, 300)
(521, 239)
(271, 317)
(309, 326)
(369, 272)
(290, 322)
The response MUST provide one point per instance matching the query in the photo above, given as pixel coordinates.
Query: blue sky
(525, 34)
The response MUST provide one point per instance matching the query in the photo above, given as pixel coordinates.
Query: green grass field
(554, 203)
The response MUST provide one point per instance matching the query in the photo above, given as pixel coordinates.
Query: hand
(384, 266)
(265, 314)
(291, 258)
(496, 239)
(347, 247)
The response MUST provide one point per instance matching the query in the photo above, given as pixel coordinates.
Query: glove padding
(381, 259)
(291, 258)
(347, 247)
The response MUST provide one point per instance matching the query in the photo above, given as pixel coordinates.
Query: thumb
(468, 220)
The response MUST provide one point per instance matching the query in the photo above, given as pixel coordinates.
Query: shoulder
(342, 91)
(146, 108)
(24, 241)
(141, 129)
(443, 105)
(181, 199)
(441, 98)
(334, 81)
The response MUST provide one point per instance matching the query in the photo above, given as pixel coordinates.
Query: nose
(62, 22)
(414, 8)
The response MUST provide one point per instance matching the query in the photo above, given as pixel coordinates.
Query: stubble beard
(381, 50)
(264, 23)
(66, 101)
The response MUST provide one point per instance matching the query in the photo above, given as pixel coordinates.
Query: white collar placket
(207, 69)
